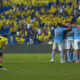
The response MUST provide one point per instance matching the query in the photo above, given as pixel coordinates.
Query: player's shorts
(1, 54)
(69, 44)
(76, 44)
(59, 45)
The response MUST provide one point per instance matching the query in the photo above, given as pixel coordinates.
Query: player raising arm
(3, 43)
(76, 32)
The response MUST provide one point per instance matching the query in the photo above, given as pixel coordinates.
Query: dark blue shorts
(1, 54)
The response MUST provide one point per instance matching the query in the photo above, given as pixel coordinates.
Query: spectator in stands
(34, 23)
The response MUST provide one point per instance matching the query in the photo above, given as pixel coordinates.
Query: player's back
(58, 34)
(76, 33)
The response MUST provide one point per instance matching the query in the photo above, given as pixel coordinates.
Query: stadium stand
(33, 22)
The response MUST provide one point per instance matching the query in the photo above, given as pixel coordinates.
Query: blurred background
(34, 21)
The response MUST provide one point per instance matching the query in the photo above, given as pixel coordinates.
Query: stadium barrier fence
(23, 48)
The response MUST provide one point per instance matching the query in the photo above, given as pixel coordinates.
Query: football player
(58, 41)
(76, 32)
(69, 43)
(3, 43)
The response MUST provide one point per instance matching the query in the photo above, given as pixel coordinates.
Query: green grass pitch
(37, 67)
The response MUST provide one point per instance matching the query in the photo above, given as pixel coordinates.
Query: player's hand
(72, 25)
(77, 26)
(67, 35)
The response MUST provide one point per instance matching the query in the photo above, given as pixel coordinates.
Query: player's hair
(59, 24)
(67, 22)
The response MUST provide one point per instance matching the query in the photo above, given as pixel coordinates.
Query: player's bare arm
(77, 26)
(68, 28)
(70, 33)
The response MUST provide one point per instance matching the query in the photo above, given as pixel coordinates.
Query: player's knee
(67, 49)
(61, 50)
(53, 50)
(76, 50)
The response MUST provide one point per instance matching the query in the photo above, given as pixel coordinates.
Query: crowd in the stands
(35, 23)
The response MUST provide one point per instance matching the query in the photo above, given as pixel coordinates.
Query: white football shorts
(58, 45)
(69, 44)
(76, 44)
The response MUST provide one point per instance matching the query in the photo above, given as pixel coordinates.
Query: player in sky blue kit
(69, 44)
(58, 42)
(64, 42)
(76, 32)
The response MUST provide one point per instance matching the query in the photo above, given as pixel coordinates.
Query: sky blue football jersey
(71, 37)
(58, 33)
(76, 33)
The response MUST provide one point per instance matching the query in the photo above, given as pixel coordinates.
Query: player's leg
(79, 55)
(68, 51)
(79, 50)
(76, 50)
(76, 56)
(73, 53)
(60, 46)
(1, 60)
(65, 55)
(64, 50)
(53, 52)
